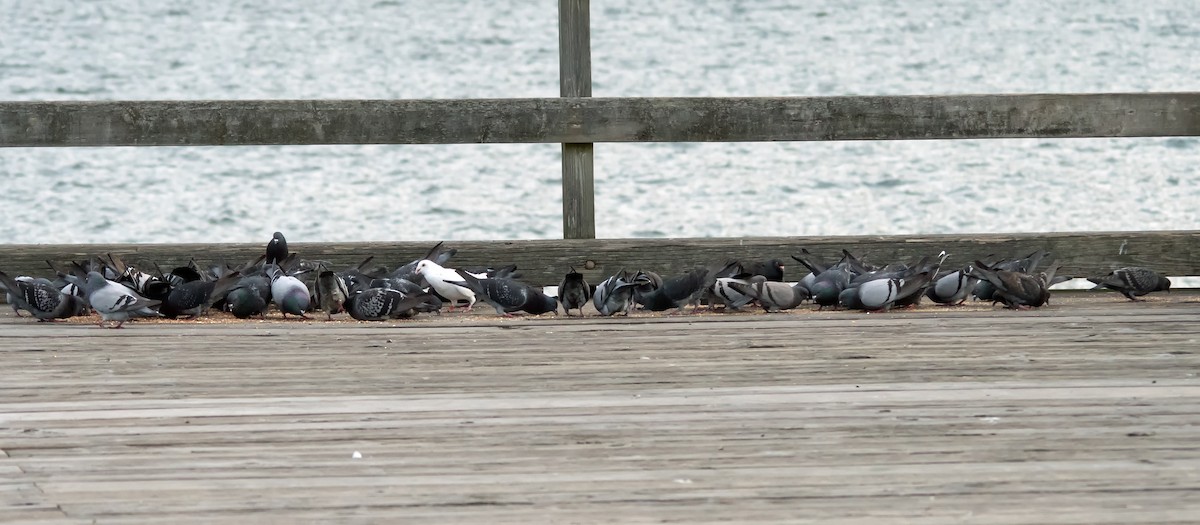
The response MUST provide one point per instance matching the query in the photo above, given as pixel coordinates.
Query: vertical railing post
(575, 80)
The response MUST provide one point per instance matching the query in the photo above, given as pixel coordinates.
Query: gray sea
(274, 49)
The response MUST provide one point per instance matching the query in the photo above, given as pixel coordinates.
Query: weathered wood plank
(589, 120)
(1086, 411)
(543, 262)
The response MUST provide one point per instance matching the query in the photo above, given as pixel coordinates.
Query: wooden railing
(577, 121)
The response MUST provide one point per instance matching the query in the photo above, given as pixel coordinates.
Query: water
(148, 49)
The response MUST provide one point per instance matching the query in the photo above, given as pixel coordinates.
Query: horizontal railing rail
(590, 120)
(543, 262)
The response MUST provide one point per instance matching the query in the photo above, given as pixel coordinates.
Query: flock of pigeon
(119, 292)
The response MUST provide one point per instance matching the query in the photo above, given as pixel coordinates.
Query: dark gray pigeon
(1017, 290)
(772, 269)
(193, 298)
(277, 249)
(41, 299)
(676, 292)
(250, 296)
(380, 304)
(508, 295)
(985, 290)
(574, 292)
(1133, 281)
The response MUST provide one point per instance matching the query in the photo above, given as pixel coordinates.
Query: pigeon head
(426, 265)
(94, 281)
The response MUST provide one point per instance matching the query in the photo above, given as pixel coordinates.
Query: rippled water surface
(128, 49)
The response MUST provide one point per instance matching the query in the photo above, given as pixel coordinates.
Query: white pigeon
(115, 302)
(442, 281)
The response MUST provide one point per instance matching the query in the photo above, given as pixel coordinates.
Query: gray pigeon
(1133, 281)
(508, 295)
(614, 295)
(288, 293)
(115, 302)
(725, 293)
(882, 294)
(331, 292)
(953, 287)
(772, 295)
(574, 292)
(41, 299)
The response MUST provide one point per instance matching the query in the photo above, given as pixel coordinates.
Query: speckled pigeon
(1133, 281)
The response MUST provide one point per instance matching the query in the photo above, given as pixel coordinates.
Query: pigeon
(379, 304)
(192, 298)
(676, 292)
(508, 295)
(277, 249)
(437, 254)
(146, 285)
(331, 292)
(445, 282)
(771, 269)
(774, 296)
(574, 292)
(828, 285)
(1133, 281)
(952, 287)
(288, 293)
(733, 298)
(615, 294)
(10, 293)
(41, 299)
(985, 290)
(115, 302)
(1016, 289)
(882, 294)
(815, 267)
(250, 296)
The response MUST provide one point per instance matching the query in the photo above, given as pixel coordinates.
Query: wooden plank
(543, 262)
(1087, 411)
(589, 120)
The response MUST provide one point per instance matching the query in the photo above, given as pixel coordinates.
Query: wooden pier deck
(1087, 411)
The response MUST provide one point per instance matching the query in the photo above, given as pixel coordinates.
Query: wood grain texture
(543, 262)
(1087, 411)
(589, 120)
